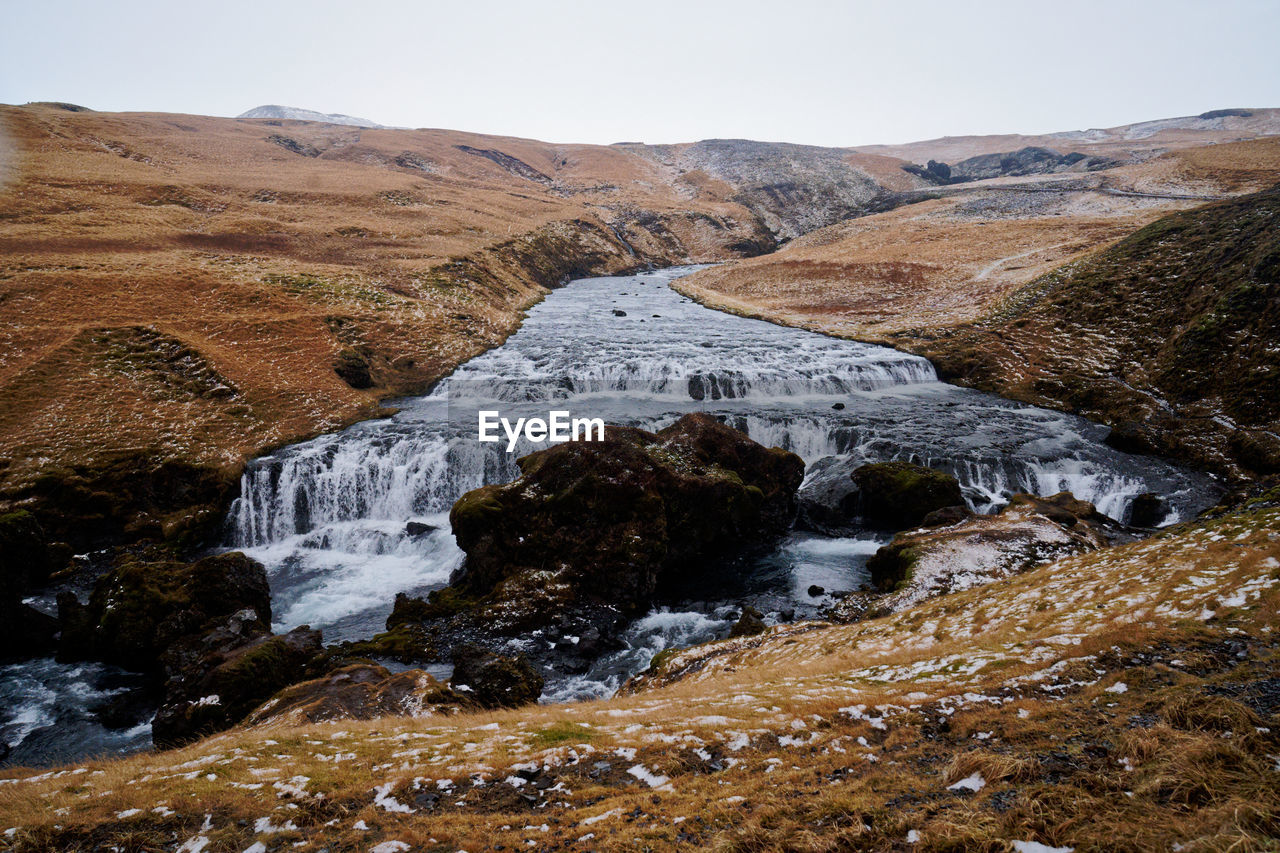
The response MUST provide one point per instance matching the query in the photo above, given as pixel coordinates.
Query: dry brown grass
(268, 262)
(844, 737)
(948, 262)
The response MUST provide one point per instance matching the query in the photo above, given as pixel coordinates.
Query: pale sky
(827, 73)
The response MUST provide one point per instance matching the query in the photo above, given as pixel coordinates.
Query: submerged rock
(925, 562)
(842, 496)
(363, 691)
(607, 523)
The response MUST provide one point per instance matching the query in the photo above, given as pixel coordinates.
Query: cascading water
(346, 521)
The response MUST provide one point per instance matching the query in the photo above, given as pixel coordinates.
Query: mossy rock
(404, 642)
(609, 522)
(229, 682)
(890, 566)
(899, 495)
(141, 607)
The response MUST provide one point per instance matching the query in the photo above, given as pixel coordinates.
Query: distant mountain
(298, 114)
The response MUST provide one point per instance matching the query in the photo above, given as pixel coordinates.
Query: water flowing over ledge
(346, 521)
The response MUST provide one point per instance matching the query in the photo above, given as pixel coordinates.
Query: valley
(938, 489)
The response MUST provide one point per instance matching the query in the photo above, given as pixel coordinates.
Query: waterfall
(346, 521)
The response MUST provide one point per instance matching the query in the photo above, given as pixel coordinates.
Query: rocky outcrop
(608, 522)
(841, 496)
(793, 189)
(26, 560)
(926, 562)
(214, 680)
(1025, 161)
(142, 607)
(201, 629)
(362, 691)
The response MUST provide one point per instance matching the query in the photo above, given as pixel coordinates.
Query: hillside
(182, 292)
(1168, 336)
(1119, 699)
(943, 278)
(1141, 140)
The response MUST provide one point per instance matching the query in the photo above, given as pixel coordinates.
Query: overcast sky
(829, 73)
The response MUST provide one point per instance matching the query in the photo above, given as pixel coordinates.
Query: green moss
(561, 732)
(476, 507)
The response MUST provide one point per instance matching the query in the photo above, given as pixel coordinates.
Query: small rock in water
(417, 528)
(815, 591)
(838, 406)
(748, 624)
(618, 312)
(1147, 510)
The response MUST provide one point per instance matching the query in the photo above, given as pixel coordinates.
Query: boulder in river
(495, 681)
(609, 522)
(842, 495)
(216, 679)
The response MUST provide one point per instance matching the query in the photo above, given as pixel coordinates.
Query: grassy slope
(1174, 329)
(180, 287)
(811, 737)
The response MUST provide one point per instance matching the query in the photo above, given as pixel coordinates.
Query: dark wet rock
(142, 607)
(417, 528)
(618, 312)
(29, 633)
(1134, 437)
(750, 623)
(494, 681)
(607, 524)
(815, 591)
(362, 691)
(948, 515)
(404, 641)
(1147, 510)
(26, 560)
(837, 406)
(842, 496)
(216, 680)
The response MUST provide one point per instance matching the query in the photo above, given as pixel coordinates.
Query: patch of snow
(970, 783)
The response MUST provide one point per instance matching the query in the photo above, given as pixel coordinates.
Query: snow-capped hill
(299, 114)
